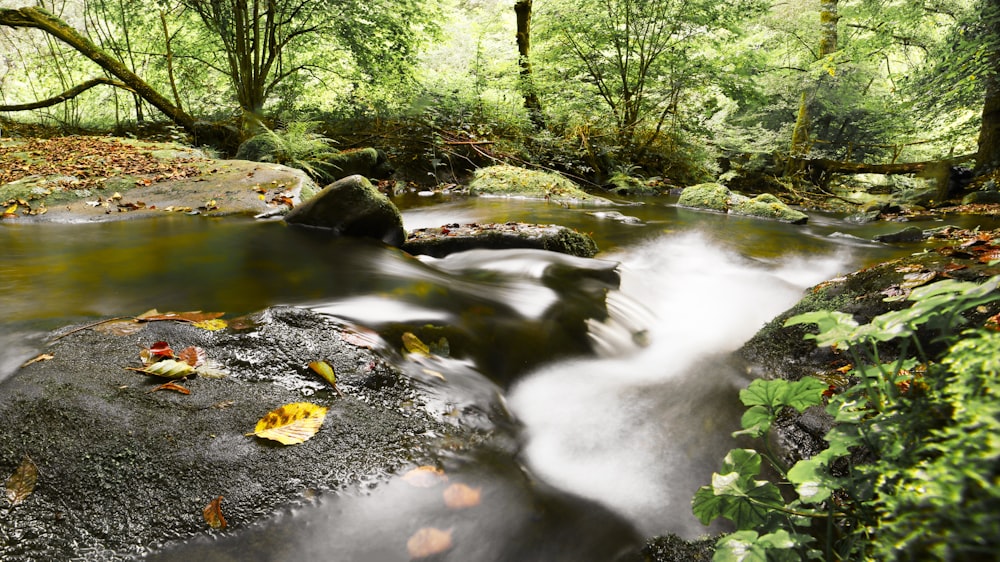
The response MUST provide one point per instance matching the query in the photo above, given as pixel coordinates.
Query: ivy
(913, 459)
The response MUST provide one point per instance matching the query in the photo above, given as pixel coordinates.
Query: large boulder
(352, 207)
(717, 197)
(711, 196)
(122, 469)
(511, 181)
(451, 238)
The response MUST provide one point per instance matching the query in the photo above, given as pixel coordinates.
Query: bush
(925, 423)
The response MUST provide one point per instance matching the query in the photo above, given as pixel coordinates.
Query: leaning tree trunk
(522, 9)
(39, 18)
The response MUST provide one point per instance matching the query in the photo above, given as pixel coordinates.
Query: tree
(638, 55)
(988, 155)
(522, 11)
(38, 18)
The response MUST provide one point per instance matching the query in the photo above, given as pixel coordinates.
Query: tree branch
(67, 95)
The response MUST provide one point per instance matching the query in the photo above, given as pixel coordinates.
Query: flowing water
(620, 410)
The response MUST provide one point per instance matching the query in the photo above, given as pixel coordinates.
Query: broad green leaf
(708, 506)
(752, 510)
(764, 393)
(740, 546)
(808, 476)
(745, 462)
(835, 328)
(804, 393)
(756, 421)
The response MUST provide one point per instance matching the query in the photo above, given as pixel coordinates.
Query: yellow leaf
(460, 496)
(20, 484)
(428, 542)
(323, 369)
(413, 344)
(291, 424)
(211, 325)
(425, 476)
(832, 71)
(11, 210)
(167, 368)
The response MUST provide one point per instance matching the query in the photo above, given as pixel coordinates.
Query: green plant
(913, 460)
(298, 146)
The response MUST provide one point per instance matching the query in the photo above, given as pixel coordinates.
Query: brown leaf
(161, 350)
(194, 356)
(425, 477)
(213, 514)
(125, 327)
(460, 496)
(20, 484)
(172, 386)
(194, 316)
(428, 542)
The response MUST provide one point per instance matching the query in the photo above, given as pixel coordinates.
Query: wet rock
(908, 234)
(975, 197)
(448, 239)
(616, 216)
(351, 207)
(511, 181)
(123, 469)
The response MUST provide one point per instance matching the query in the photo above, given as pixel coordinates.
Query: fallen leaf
(125, 327)
(194, 356)
(323, 369)
(172, 386)
(193, 316)
(434, 373)
(212, 370)
(412, 344)
(428, 542)
(162, 350)
(362, 337)
(425, 477)
(37, 358)
(291, 424)
(20, 484)
(168, 369)
(460, 496)
(212, 325)
(213, 514)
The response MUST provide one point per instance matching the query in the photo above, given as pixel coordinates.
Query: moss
(712, 196)
(768, 206)
(671, 548)
(511, 181)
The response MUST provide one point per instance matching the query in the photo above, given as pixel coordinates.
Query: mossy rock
(511, 181)
(711, 196)
(767, 206)
(261, 148)
(368, 162)
(448, 239)
(352, 207)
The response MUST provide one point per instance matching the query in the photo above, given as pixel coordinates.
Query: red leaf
(161, 349)
(194, 356)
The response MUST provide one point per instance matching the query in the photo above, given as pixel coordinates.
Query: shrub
(926, 425)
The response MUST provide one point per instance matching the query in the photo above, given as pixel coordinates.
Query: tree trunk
(522, 9)
(828, 18)
(988, 157)
(39, 18)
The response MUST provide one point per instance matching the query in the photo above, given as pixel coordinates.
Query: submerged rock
(717, 197)
(352, 207)
(511, 181)
(123, 469)
(908, 234)
(451, 238)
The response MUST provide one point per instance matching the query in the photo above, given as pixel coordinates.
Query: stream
(619, 417)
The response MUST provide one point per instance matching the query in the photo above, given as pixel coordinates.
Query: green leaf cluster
(912, 466)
